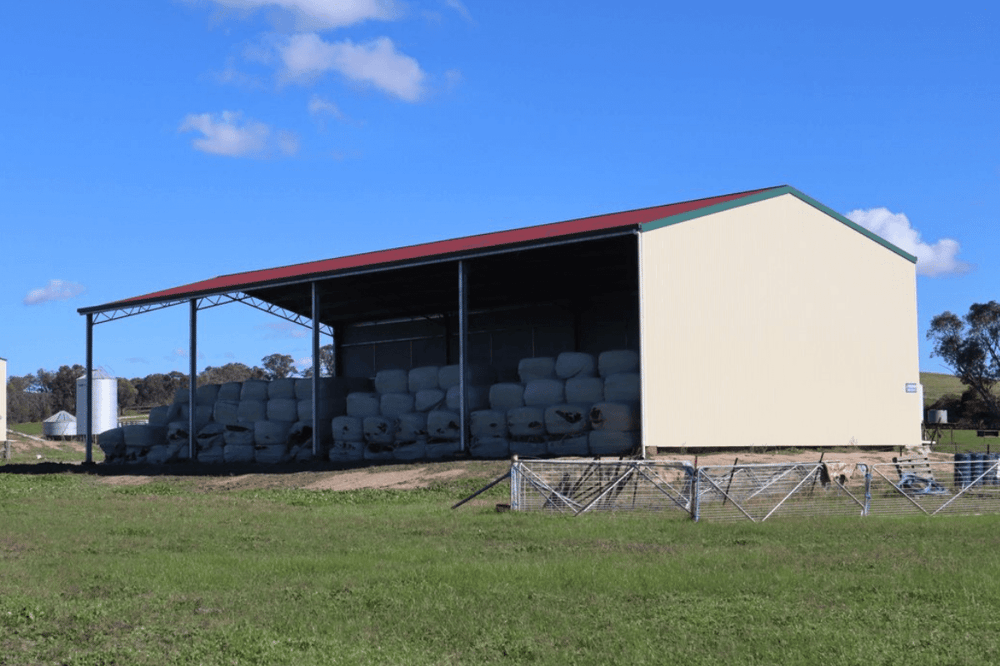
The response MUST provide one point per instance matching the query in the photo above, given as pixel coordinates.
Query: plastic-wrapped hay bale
(622, 387)
(612, 442)
(270, 454)
(300, 434)
(348, 429)
(616, 416)
(283, 409)
(487, 423)
(526, 422)
(544, 392)
(254, 389)
(440, 450)
(202, 414)
(428, 399)
(373, 452)
(302, 454)
(112, 443)
(476, 374)
(159, 455)
(394, 404)
(571, 445)
(478, 397)
(490, 447)
(380, 430)
(415, 450)
(443, 424)
(207, 394)
(230, 391)
(178, 432)
(391, 381)
(618, 360)
(412, 427)
(421, 379)
(158, 415)
(363, 404)
(213, 455)
(342, 451)
(530, 369)
(585, 390)
(506, 395)
(251, 410)
(281, 389)
(575, 364)
(567, 419)
(529, 448)
(211, 435)
(181, 395)
(239, 453)
(269, 433)
(141, 438)
(239, 434)
(226, 411)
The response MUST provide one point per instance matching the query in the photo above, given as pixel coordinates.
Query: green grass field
(180, 571)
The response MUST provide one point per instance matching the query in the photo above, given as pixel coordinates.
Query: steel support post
(643, 407)
(90, 389)
(316, 368)
(463, 352)
(192, 378)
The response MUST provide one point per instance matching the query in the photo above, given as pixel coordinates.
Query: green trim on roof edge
(770, 194)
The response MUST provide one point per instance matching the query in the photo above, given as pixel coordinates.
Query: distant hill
(937, 384)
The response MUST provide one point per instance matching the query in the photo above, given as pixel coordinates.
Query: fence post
(868, 490)
(695, 495)
(515, 484)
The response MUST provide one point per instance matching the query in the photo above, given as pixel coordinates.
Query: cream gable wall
(774, 324)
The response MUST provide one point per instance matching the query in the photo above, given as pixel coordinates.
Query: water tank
(937, 415)
(60, 424)
(105, 403)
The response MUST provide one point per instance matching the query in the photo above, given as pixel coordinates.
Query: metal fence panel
(579, 486)
(937, 488)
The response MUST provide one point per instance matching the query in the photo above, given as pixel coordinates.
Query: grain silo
(105, 401)
(60, 424)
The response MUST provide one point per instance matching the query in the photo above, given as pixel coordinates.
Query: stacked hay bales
(573, 404)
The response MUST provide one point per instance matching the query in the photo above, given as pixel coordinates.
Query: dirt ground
(326, 476)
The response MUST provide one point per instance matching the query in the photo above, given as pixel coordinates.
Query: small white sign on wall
(911, 388)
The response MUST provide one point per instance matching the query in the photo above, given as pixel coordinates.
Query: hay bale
(584, 390)
(343, 451)
(477, 374)
(525, 422)
(348, 429)
(178, 431)
(301, 434)
(616, 361)
(363, 404)
(572, 445)
(394, 404)
(181, 396)
(158, 416)
(141, 438)
(612, 443)
(213, 455)
(251, 410)
(506, 395)
(487, 423)
(112, 443)
(159, 455)
(443, 424)
(490, 447)
(544, 392)
(238, 453)
(477, 397)
(622, 387)
(270, 433)
(614, 416)
(230, 391)
(427, 399)
(302, 453)
(380, 430)
(226, 411)
(391, 381)
(211, 435)
(254, 389)
(281, 389)
(528, 448)
(440, 450)
(421, 379)
(378, 452)
(415, 450)
(575, 364)
(530, 369)
(271, 454)
(202, 415)
(207, 394)
(412, 427)
(567, 419)
(283, 409)
(238, 434)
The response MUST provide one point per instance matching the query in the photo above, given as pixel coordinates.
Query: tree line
(37, 396)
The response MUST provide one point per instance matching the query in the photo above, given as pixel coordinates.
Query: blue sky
(151, 144)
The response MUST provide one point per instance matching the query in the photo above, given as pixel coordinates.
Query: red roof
(457, 246)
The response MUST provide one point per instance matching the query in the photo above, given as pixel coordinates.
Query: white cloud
(55, 290)
(225, 134)
(324, 14)
(932, 260)
(460, 8)
(319, 107)
(307, 56)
